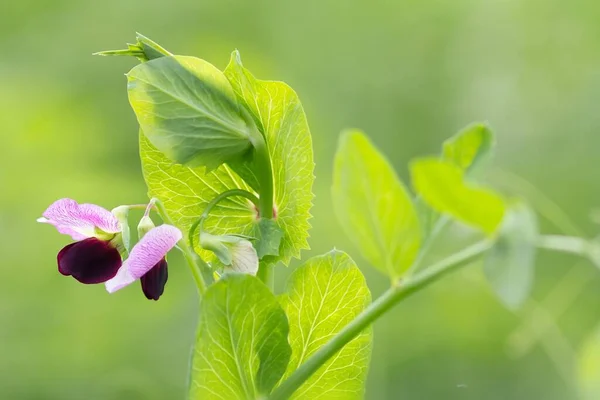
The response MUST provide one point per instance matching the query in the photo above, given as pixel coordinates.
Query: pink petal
(148, 252)
(79, 220)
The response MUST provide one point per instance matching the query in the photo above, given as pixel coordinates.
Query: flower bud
(145, 226)
(122, 214)
(235, 252)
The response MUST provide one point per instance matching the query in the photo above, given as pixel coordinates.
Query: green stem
(379, 307)
(439, 226)
(137, 206)
(567, 244)
(264, 174)
(191, 258)
(229, 193)
(265, 274)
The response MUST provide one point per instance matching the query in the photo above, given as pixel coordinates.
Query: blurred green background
(410, 73)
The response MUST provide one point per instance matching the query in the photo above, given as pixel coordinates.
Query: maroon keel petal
(89, 261)
(154, 281)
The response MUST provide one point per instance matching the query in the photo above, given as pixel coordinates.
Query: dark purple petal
(154, 281)
(89, 261)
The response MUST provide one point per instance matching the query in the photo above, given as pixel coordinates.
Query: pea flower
(95, 257)
(147, 260)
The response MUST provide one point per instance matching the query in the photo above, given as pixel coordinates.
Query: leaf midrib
(317, 314)
(234, 350)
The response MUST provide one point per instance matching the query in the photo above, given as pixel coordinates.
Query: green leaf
(510, 264)
(268, 238)
(469, 147)
(322, 297)
(589, 368)
(277, 111)
(185, 192)
(187, 109)
(150, 48)
(144, 49)
(373, 206)
(241, 348)
(442, 186)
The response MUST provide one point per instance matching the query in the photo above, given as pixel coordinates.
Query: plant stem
(265, 274)
(264, 174)
(213, 203)
(379, 307)
(137, 206)
(567, 244)
(191, 258)
(440, 224)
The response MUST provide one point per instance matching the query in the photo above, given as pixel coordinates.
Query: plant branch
(379, 307)
(439, 226)
(264, 174)
(567, 244)
(265, 274)
(137, 206)
(403, 290)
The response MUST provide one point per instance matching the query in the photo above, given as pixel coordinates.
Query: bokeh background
(408, 72)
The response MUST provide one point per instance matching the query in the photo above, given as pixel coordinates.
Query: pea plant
(228, 162)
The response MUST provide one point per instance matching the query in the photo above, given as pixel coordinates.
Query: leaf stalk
(229, 193)
(264, 174)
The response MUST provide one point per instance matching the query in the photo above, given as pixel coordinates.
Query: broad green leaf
(373, 206)
(323, 296)
(442, 186)
(510, 264)
(187, 109)
(241, 348)
(185, 193)
(589, 368)
(277, 110)
(268, 238)
(469, 147)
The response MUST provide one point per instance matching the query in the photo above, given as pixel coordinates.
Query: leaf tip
(351, 135)
(336, 252)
